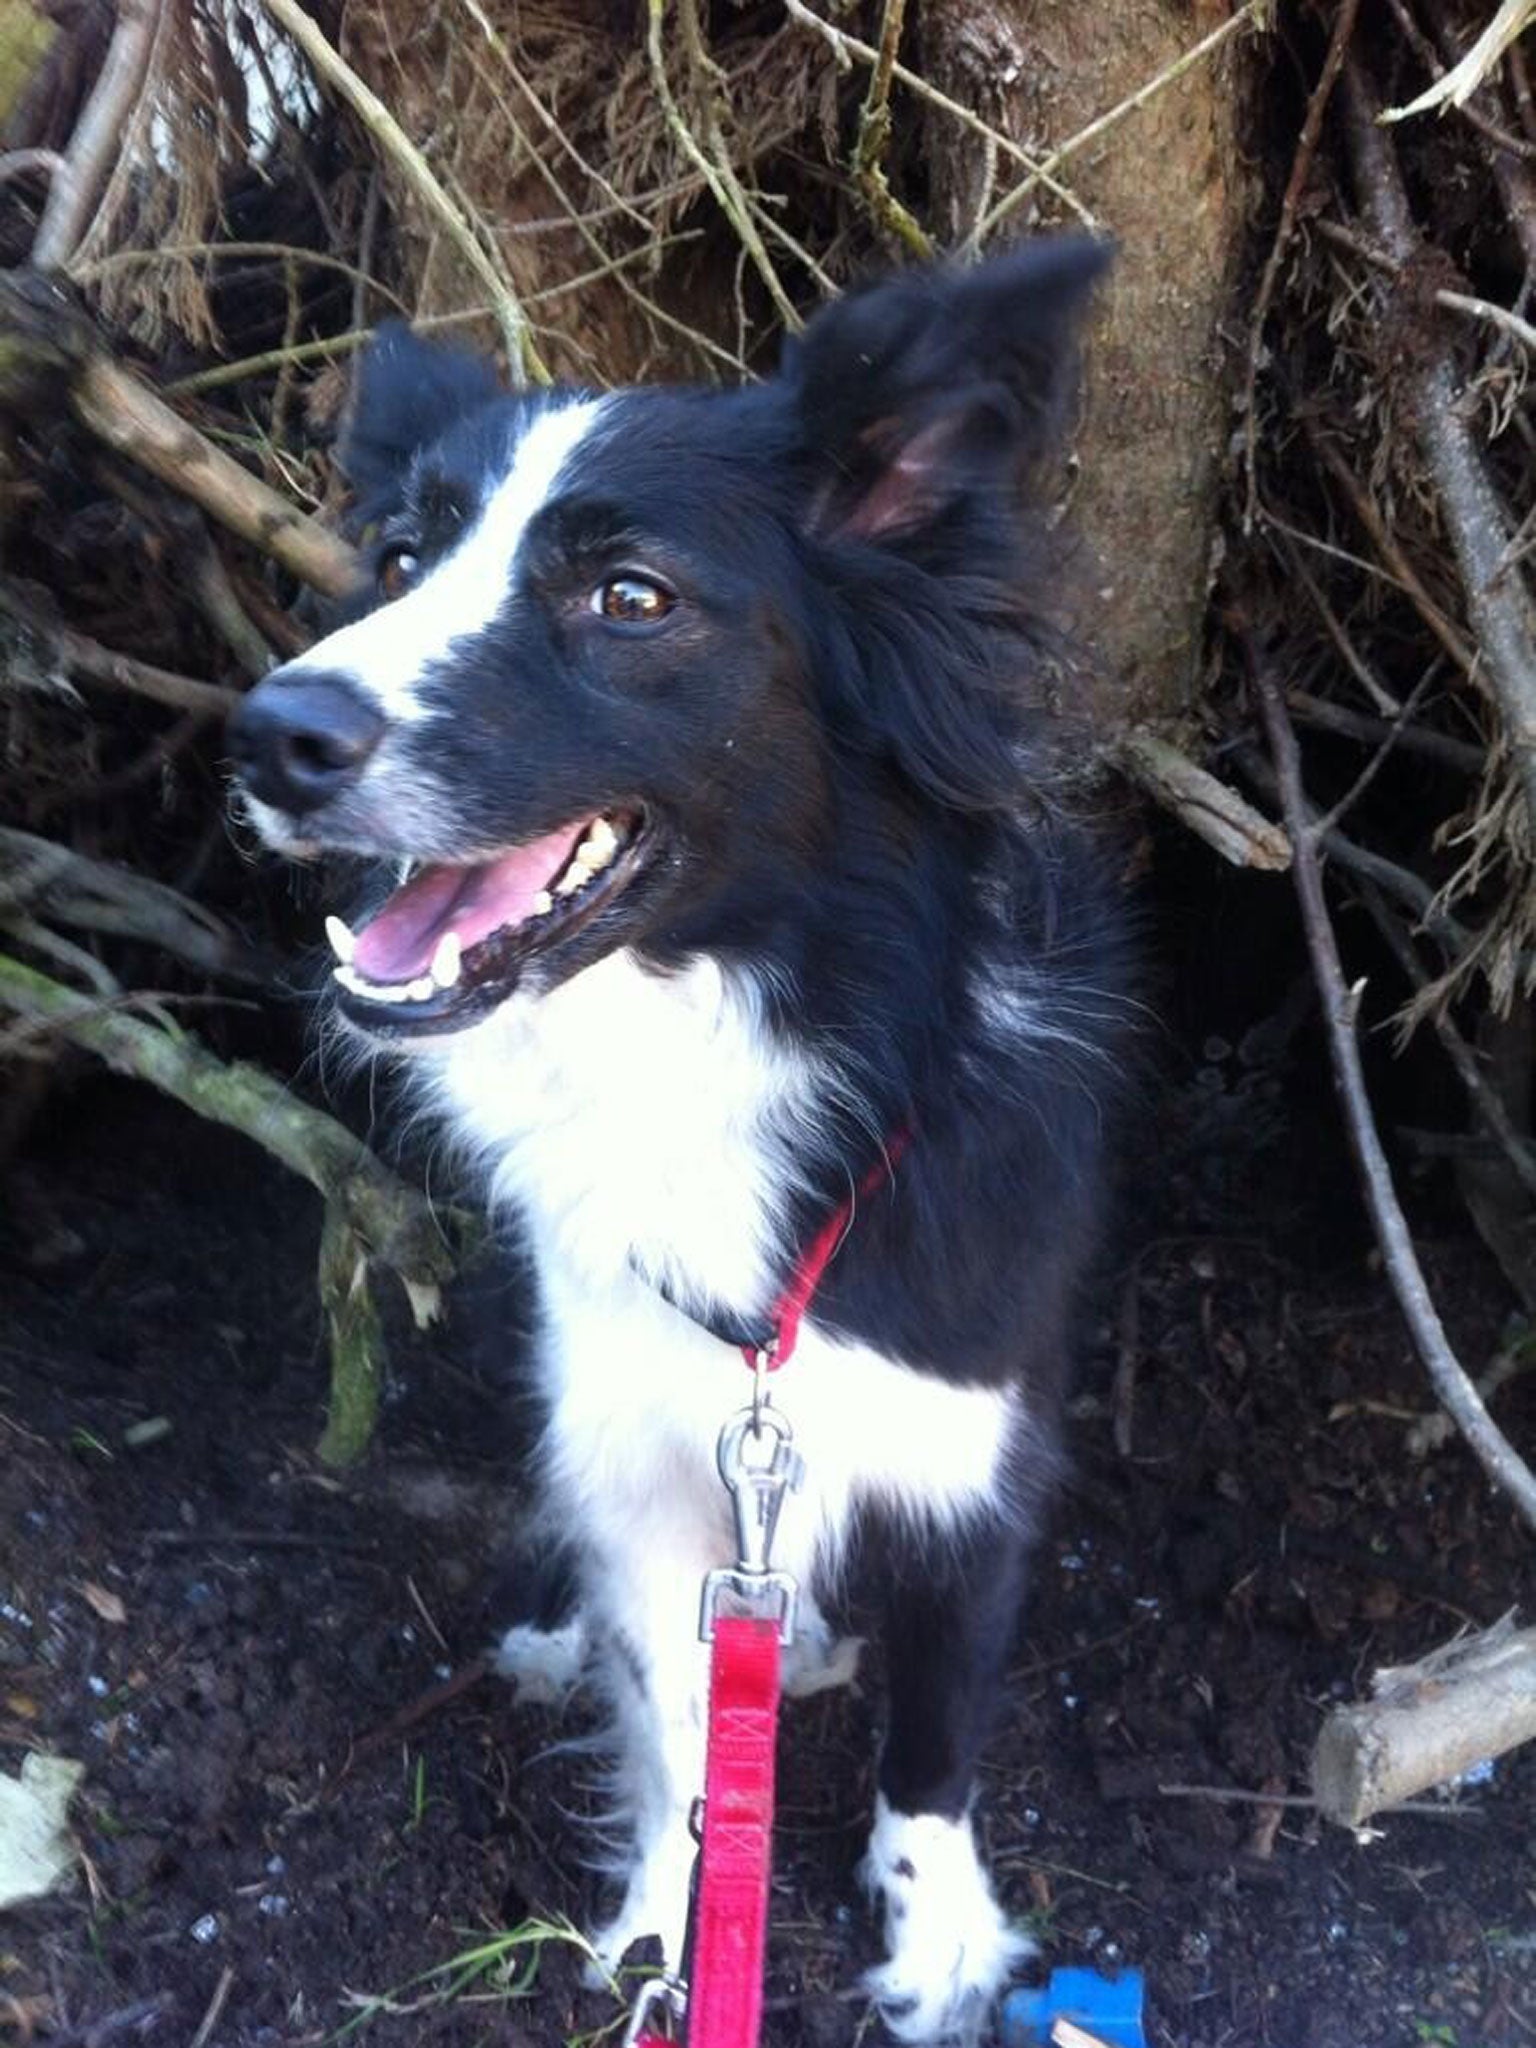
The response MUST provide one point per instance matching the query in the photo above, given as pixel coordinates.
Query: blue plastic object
(1107, 2007)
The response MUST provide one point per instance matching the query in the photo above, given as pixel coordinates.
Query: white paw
(544, 1664)
(950, 1948)
(817, 1660)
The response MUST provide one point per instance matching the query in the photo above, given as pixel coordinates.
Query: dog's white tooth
(604, 838)
(343, 944)
(422, 987)
(404, 869)
(576, 876)
(543, 903)
(592, 854)
(446, 959)
(348, 978)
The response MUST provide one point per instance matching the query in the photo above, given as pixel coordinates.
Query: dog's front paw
(655, 1905)
(951, 1949)
(545, 1665)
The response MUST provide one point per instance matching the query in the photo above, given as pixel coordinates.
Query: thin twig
(1401, 883)
(1254, 12)
(332, 345)
(1234, 1795)
(278, 252)
(1455, 302)
(1499, 610)
(1343, 805)
(523, 359)
(1406, 576)
(847, 46)
(716, 169)
(1503, 1465)
(547, 119)
(1462, 755)
(1517, 1148)
(87, 658)
(136, 2018)
(1356, 663)
(1301, 164)
(216, 2005)
(98, 133)
(874, 136)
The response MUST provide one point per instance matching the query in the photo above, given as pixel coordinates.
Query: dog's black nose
(301, 736)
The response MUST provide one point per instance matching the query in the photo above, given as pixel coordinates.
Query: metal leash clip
(662, 2003)
(757, 1488)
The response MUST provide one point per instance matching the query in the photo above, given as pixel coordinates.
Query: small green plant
(493, 1969)
(1437, 2031)
(419, 1802)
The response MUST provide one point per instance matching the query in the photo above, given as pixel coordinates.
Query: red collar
(773, 1344)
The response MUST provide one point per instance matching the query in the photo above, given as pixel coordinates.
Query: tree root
(371, 1216)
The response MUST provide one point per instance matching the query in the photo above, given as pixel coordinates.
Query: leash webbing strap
(730, 1935)
(730, 1924)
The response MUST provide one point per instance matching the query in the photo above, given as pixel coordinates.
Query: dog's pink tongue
(399, 943)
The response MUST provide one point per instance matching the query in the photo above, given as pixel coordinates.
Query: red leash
(721, 2004)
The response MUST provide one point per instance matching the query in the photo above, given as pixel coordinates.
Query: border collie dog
(709, 733)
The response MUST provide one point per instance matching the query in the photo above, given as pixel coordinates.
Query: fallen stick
(1427, 1723)
(1222, 818)
(50, 351)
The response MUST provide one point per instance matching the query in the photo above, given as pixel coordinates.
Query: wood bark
(1169, 184)
(1428, 1723)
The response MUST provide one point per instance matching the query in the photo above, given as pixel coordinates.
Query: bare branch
(1462, 755)
(82, 656)
(875, 134)
(1301, 163)
(78, 180)
(1503, 1465)
(523, 358)
(1498, 608)
(132, 420)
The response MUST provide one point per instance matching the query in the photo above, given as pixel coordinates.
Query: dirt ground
(287, 1833)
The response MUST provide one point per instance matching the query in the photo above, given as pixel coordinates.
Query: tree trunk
(1168, 183)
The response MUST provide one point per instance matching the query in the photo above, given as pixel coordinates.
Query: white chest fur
(645, 1127)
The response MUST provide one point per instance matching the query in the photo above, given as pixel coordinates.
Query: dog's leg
(643, 1604)
(950, 1948)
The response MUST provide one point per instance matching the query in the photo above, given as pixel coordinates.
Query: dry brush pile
(1303, 468)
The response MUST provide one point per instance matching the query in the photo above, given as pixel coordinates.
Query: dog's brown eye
(632, 600)
(399, 568)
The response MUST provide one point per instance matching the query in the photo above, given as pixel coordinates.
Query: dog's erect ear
(938, 383)
(406, 393)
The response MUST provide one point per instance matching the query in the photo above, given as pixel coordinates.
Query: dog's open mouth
(452, 942)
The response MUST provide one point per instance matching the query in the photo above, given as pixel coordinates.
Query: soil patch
(281, 1816)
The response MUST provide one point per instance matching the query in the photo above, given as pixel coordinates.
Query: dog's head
(617, 650)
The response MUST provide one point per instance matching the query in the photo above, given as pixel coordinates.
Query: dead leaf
(101, 1602)
(36, 1853)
